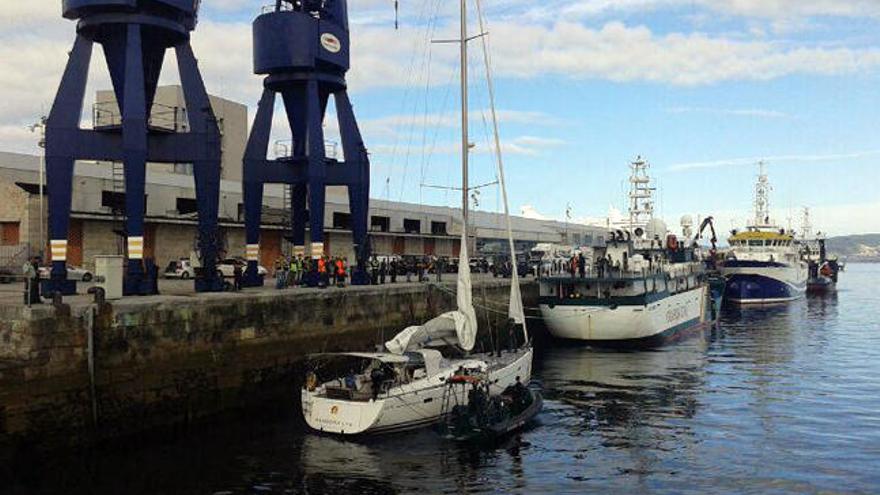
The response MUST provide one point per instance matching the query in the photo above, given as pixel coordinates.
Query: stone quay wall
(171, 360)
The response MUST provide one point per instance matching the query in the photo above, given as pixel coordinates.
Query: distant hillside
(865, 247)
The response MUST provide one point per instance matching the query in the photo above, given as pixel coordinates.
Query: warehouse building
(99, 197)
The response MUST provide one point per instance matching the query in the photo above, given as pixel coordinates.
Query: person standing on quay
(383, 270)
(281, 273)
(440, 266)
(295, 267)
(31, 273)
(582, 265)
(340, 272)
(374, 271)
(322, 272)
(393, 270)
(236, 277)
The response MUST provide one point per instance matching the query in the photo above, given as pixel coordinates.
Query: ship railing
(106, 115)
(284, 149)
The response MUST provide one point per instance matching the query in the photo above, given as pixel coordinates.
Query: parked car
(181, 269)
(479, 265)
(226, 268)
(73, 273)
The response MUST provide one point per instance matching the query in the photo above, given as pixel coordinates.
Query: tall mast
(806, 225)
(641, 192)
(762, 198)
(465, 145)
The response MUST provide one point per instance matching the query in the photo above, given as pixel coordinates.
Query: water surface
(781, 399)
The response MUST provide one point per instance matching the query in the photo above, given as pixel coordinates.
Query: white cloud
(738, 162)
(385, 58)
(771, 9)
(623, 53)
(520, 145)
(733, 112)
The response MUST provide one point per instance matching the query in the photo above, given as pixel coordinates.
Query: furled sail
(457, 327)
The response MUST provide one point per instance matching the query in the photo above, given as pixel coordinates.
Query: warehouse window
(341, 220)
(32, 188)
(412, 226)
(438, 228)
(116, 201)
(380, 224)
(113, 200)
(186, 206)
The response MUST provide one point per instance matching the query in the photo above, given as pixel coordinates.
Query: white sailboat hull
(409, 406)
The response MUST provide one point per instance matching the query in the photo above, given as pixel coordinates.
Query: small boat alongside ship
(823, 270)
(487, 417)
(643, 287)
(765, 262)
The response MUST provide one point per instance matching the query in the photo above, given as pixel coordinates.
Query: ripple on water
(782, 399)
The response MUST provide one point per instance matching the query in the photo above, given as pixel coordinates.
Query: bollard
(100, 295)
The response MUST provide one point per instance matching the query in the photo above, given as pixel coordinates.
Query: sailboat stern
(342, 417)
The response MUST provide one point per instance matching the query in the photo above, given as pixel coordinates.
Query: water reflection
(780, 399)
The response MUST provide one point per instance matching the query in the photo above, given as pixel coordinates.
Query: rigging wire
(425, 16)
(516, 309)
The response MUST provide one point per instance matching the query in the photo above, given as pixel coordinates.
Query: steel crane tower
(135, 35)
(302, 47)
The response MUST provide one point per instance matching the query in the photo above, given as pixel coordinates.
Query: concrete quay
(177, 358)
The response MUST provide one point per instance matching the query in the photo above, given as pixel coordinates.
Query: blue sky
(702, 88)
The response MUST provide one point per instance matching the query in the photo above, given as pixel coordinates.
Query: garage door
(270, 247)
(75, 243)
(10, 233)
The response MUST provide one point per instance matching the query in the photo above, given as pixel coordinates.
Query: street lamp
(567, 220)
(41, 126)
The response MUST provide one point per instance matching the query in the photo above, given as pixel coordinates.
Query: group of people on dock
(574, 266)
(327, 271)
(297, 271)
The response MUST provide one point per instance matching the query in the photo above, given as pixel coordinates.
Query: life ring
(671, 243)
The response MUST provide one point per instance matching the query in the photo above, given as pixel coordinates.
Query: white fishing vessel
(644, 287)
(403, 388)
(765, 263)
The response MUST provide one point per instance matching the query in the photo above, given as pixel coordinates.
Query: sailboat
(405, 386)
